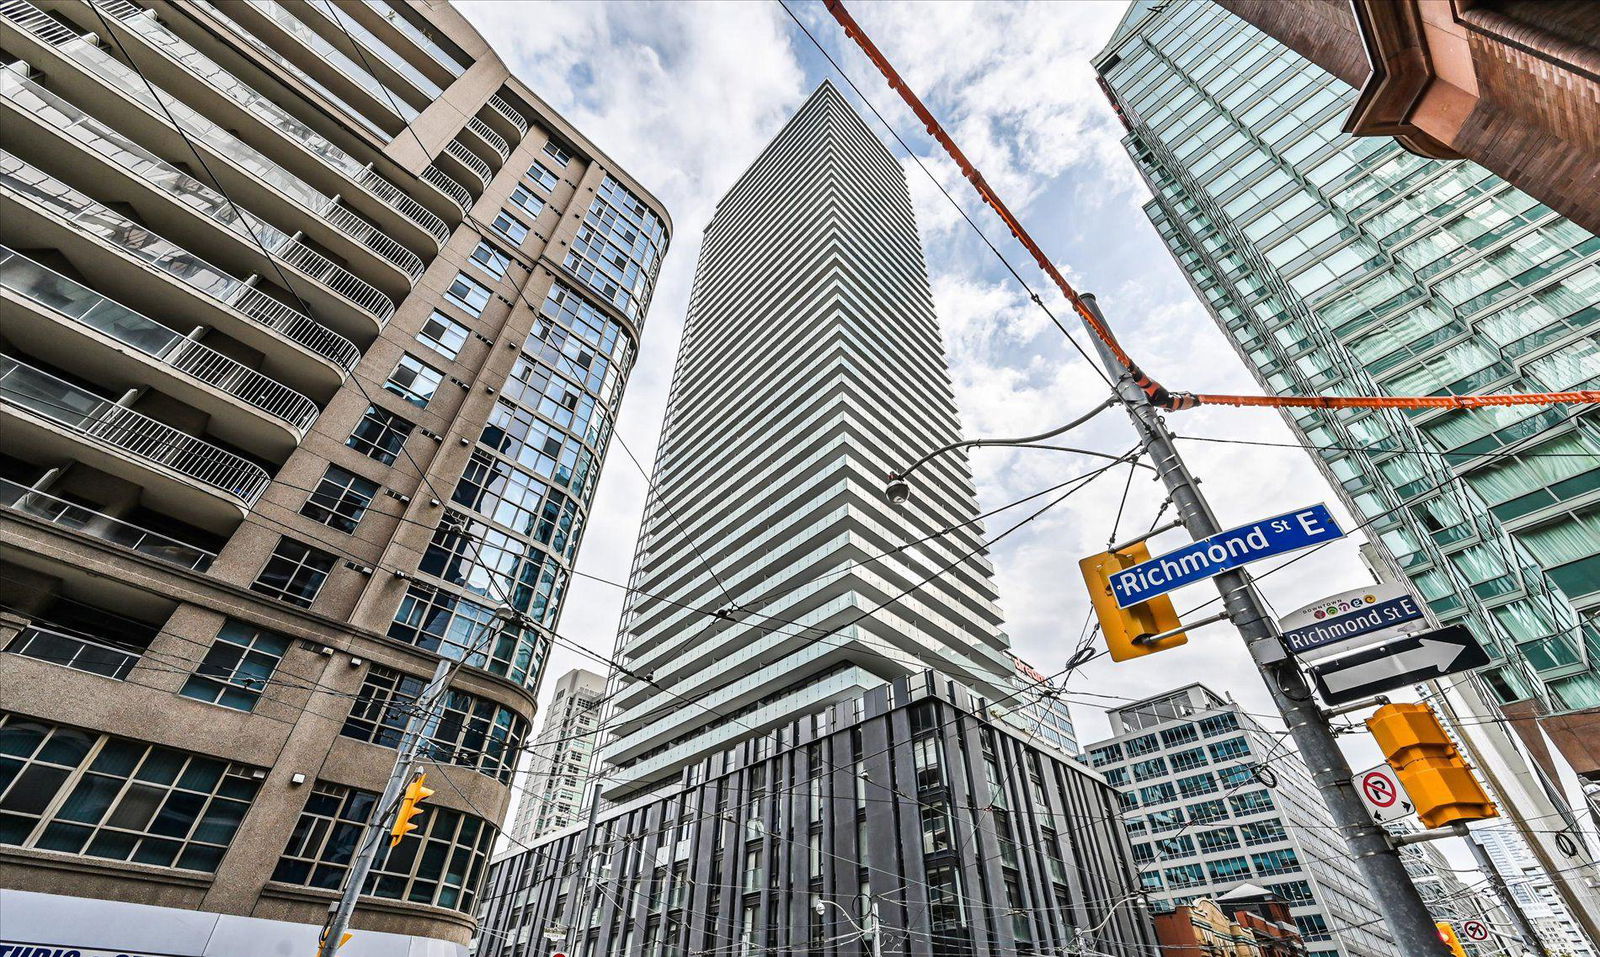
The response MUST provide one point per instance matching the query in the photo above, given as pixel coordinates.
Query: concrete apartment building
(1213, 801)
(819, 728)
(315, 321)
(553, 789)
(1340, 262)
(1535, 892)
(1513, 85)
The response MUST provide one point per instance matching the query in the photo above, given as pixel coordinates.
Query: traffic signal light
(416, 792)
(1447, 936)
(1429, 767)
(1126, 627)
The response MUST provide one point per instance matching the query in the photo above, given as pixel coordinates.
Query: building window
(1205, 812)
(1100, 757)
(1282, 861)
(125, 800)
(294, 573)
(510, 227)
(443, 334)
(441, 863)
(1189, 760)
(1143, 744)
(557, 153)
(1252, 803)
(380, 435)
(340, 500)
(944, 898)
(1219, 724)
(237, 667)
(541, 174)
(414, 380)
(1197, 785)
(493, 261)
(1231, 748)
(1182, 734)
(473, 732)
(468, 293)
(618, 248)
(1185, 875)
(1228, 869)
(925, 755)
(1149, 768)
(1221, 839)
(1263, 832)
(457, 628)
(523, 197)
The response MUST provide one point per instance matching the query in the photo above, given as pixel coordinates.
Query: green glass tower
(1346, 265)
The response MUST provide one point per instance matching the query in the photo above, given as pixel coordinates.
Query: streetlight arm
(1021, 440)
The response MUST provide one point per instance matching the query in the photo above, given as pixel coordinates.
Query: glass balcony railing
(472, 161)
(327, 53)
(175, 48)
(73, 651)
(141, 437)
(59, 511)
(445, 184)
(81, 305)
(495, 141)
(49, 108)
(505, 109)
(131, 239)
(376, 47)
(424, 42)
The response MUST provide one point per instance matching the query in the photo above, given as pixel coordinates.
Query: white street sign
(1475, 930)
(1385, 798)
(1351, 620)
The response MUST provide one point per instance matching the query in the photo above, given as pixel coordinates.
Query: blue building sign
(1212, 556)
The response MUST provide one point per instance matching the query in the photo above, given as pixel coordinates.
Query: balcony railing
(474, 163)
(58, 511)
(193, 61)
(506, 110)
(324, 270)
(377, 48)
(496, 142)
(442, 182)
(370, 236)
(135, 241)
(36, 21)
(424, 42)
(73, 651)
(328, 53)
(142, 437)
(82, 305)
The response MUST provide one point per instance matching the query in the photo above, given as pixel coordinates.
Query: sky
(683, 96)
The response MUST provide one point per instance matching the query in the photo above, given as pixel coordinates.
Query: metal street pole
(1385, 875)
(422, 714)
(1530, 938)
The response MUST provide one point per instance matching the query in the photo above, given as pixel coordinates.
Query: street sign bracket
(1373, 702)
(1152, 639)
(1146, 536)
(1458, 829)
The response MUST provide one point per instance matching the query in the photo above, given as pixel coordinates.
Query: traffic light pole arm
(1380, 863)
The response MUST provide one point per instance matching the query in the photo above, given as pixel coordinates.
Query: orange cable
(1158, 395)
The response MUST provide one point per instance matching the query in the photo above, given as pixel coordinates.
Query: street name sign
(1223, 551)
(1381, 792)
(1394, 664)
(1373, 613)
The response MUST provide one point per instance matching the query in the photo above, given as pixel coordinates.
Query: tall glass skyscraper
(1343, 265)
(811, 366)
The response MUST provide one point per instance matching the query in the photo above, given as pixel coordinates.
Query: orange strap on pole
(1159, 396)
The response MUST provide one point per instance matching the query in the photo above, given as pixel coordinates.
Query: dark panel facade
(968, 840)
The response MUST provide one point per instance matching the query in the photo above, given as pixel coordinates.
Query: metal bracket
(1152, 639)
(1175, 523)
(1457, 829)
(1373, 702)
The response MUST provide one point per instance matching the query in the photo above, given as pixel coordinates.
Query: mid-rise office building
(1450, 897)
(553, 787)
(812, 737)
(1343, 264)
(315, 320)
(1214, 801)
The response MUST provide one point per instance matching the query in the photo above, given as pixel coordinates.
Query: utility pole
(422, 716)
(1530, 938)
(1379, 861)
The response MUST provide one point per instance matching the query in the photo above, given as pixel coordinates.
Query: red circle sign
(1475, 930)
(1379, 789)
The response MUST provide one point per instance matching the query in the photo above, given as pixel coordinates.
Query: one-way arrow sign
(1395, 664)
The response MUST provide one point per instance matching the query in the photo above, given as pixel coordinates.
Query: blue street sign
(1380, 616)
(1225, 550)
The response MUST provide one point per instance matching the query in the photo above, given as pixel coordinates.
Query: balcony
(330, 20)
(500, 109)
(88, 75)
(311, 153)
(447, 187)
(78, 518)
(468, 161)
(413, 33)
(42, 212)
(73, 651)
(494, 141)
(180, 473)
(45, 309)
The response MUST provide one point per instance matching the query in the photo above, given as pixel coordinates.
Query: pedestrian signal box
(1429, 767)
(1128, 630)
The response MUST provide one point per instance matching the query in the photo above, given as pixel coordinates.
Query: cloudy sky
(684, 95)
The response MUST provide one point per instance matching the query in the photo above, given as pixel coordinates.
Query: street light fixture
(898, 490)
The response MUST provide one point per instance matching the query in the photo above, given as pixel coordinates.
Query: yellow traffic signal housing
(1429, 767)
(416, 792)
(1447, 936)
(1126, 628)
